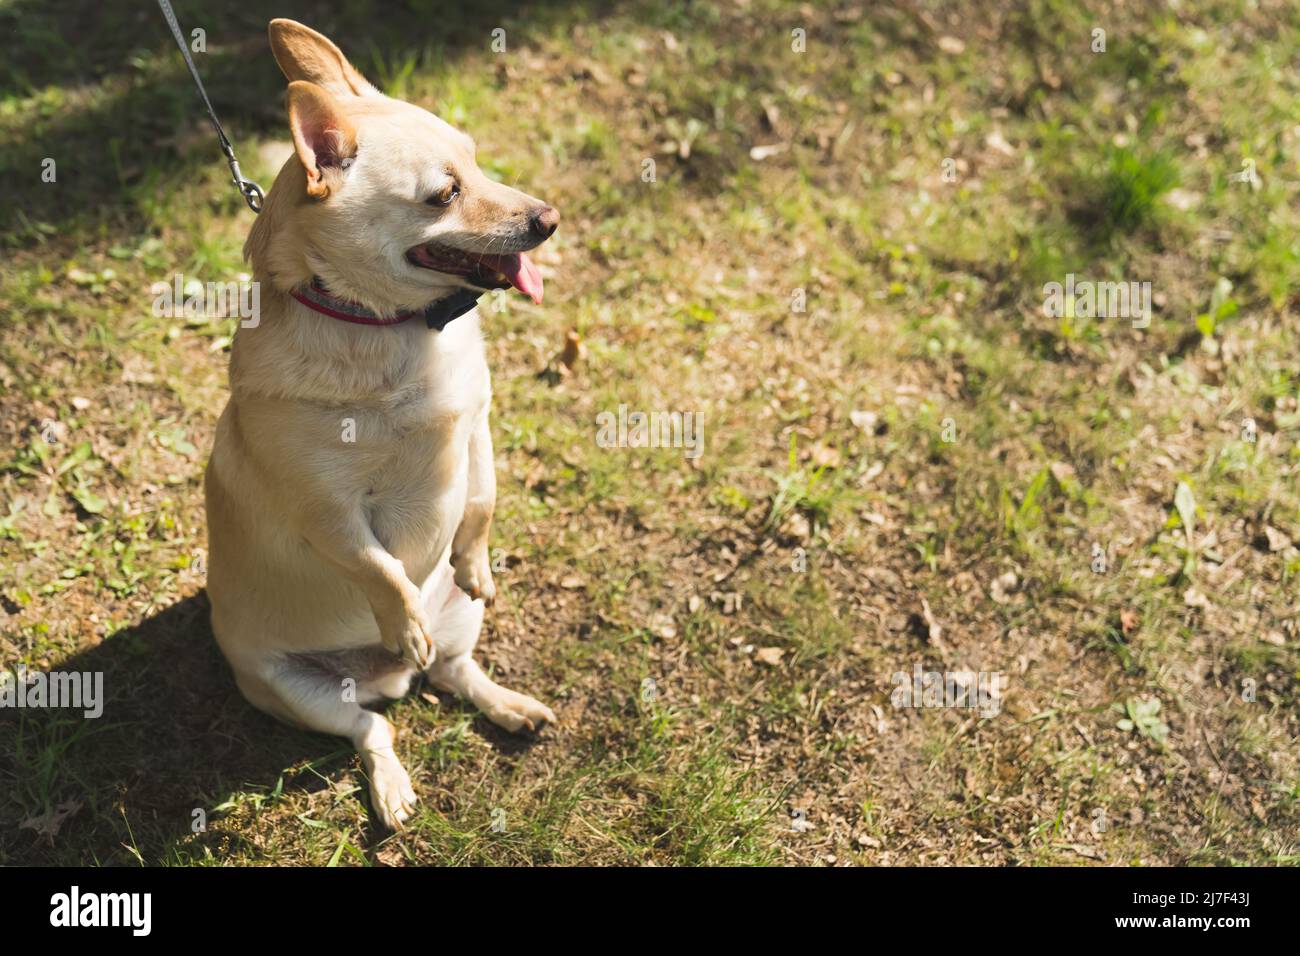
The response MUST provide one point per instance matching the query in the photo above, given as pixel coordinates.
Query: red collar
(437, 314)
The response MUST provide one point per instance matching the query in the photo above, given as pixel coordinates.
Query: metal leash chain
(251, 192)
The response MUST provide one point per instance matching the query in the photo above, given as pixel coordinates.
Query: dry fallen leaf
(997, 142)
(1129, 621)
(1062, 472)
(864, 420)
(49, 824)
(770, 656)
(824, 456)
(951, 45)
(1277, 541)
(562, 363)
(533, 477)
(661, 625)
(573, 350)
(796, 525)
(1002, 586)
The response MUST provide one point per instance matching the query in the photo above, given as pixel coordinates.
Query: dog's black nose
(545, 220)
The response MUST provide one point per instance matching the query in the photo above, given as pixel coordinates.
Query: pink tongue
(521, 272)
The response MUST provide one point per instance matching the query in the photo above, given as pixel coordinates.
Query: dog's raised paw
(404, 631)
(474, 577)
(414, 644)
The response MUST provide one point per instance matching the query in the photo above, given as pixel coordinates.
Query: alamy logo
(651, 430)
(181, 299)
(79, 691)
(1085, 299)
(973, 690)
(75, 908)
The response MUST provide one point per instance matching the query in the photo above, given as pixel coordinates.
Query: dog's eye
(444, 196)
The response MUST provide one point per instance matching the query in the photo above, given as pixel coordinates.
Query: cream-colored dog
(351, 485)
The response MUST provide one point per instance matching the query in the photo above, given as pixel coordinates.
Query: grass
(1132, 187)
(906, 460)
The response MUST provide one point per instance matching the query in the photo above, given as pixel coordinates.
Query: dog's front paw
(391, 794)
(408, 637)
(474, 575)
(417, 645)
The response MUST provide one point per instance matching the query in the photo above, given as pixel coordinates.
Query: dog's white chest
(418, 474)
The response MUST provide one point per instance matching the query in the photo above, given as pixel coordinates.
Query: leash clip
(252, 192)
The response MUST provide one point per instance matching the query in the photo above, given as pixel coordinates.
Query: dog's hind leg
(504, 707)
(455, 631)
(311, 698)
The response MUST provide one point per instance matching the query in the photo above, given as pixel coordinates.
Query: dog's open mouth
(486, 272)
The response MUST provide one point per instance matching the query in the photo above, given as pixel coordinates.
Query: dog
(350, 489)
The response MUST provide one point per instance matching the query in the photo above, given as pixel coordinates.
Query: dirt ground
(841, 263)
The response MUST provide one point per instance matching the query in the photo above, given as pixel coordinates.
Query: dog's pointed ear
(303, 54)
(324, 138)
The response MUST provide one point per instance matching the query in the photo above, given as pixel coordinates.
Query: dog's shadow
(144, 781)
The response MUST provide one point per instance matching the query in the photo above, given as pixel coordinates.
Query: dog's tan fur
(338, 565)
